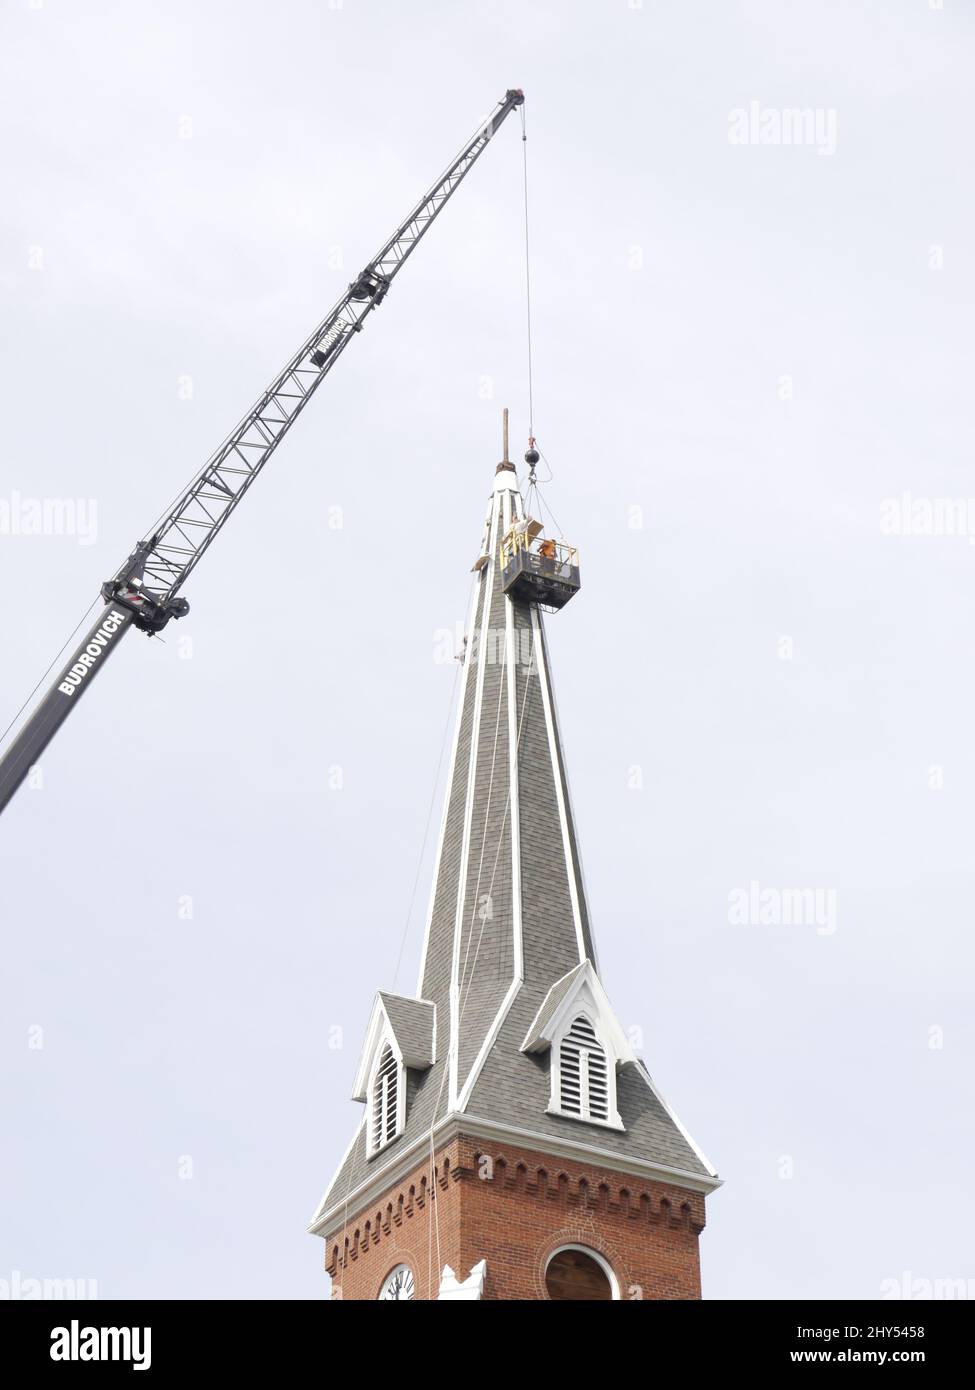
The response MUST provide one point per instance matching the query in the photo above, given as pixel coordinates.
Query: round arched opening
(574, 1273)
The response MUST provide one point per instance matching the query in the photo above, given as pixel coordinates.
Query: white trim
(588, 988)
(487, 585)
(469, 1290)
(555, 1106)
(514, 789)
(506, 480)
(642, 1068)
(556, 776)
(380, 1025)
(376, 1030)
(562, 768)
(604, 1264)
(372, 1148)
(514, 822)
(450, 782)
(338, 1172)
(490, 1038)
(476, 1127)
(539, 1021)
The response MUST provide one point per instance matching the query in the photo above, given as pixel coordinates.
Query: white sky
(677, 279)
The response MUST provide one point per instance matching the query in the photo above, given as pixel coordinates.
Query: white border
(487, 585)
(604, 1264)
(514, 822)
(476, 1127)
(570, 864)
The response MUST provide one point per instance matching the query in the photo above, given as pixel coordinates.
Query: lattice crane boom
(145, 591)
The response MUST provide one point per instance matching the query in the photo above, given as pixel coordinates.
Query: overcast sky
(745, 343)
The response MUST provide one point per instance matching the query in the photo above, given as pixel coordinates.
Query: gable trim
(486, 587)
(380, 1028)
(551, 1019)
(476, 1127)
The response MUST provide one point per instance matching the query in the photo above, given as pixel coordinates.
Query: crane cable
(528, 285)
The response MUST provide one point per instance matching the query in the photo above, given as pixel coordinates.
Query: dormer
(577, 1026)
(400, 1038)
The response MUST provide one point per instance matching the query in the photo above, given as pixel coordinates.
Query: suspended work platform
(538, 570)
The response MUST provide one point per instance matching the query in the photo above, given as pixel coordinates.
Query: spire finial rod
(505, 466)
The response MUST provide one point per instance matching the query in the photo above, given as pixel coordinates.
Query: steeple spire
(524, 1041)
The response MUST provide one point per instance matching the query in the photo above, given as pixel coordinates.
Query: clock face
(398, 1284)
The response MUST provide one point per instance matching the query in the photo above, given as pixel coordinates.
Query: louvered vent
(583, 1074)
(384, 1098)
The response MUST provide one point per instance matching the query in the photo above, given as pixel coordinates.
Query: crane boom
(144, 593)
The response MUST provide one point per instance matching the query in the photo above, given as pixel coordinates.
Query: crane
(145, 593)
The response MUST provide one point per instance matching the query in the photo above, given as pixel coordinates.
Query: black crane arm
(144, 592)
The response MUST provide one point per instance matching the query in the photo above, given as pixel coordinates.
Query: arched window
(384, 1121)
(584, 1078)
(575, 1273)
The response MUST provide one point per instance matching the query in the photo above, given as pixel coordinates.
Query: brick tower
(513, 1146)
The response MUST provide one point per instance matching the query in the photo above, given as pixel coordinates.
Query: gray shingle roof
(412, 1023)
(549, 1007)
(509, 886)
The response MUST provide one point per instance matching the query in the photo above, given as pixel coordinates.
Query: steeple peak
(524, 1040)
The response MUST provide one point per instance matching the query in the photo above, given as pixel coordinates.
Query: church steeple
(511, 1040)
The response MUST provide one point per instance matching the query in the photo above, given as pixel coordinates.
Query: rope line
(50, 668)
(434, 1224)
(487, 812)
(467, 980)
(504, 820)
(426, 828)
(465, 994)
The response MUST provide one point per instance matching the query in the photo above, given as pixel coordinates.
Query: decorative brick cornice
(405, 1200)
(578, 1186)
(578, 1191)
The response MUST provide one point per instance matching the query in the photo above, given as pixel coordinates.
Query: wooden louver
(384, 1099)
(583, 1073)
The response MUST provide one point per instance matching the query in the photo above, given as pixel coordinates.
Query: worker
(547, 550)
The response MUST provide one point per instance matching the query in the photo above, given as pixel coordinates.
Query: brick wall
(512, 1207)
